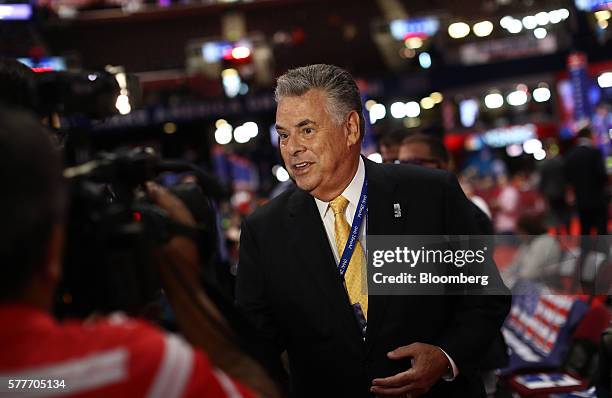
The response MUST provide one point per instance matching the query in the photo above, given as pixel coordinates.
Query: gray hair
(342, 91)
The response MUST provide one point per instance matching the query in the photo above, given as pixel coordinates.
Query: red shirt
(112, 357)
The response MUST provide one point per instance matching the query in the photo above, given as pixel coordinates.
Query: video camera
(90, 94)
(113, 230)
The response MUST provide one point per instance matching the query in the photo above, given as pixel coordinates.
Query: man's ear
(352, 127)
(52, 265)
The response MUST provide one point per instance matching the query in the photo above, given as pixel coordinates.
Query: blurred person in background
(586, 173)
(507, 205)
(602, 125)
(109, 356)
(428, 151)
(389, 145)
(424, 150)
(538, 256)
(553, 186)
(290, 283)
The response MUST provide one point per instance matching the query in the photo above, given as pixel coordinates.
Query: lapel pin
(397, 210)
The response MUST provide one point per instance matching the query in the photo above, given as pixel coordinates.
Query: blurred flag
(543, 380)
(538, 328)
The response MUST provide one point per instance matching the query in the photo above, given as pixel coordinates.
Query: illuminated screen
(592, 5)
(45, 64)
(15, 12)
(414, 27)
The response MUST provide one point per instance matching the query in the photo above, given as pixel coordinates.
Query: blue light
(468, 112)
(592, 5)
(426, 26)
(425, 60)
(211, 52)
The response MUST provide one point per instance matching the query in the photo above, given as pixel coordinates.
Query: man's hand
(180, 249)
(429, 364)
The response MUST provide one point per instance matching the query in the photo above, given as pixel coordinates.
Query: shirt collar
(352, 191)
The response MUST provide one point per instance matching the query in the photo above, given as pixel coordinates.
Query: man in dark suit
(289, 281)
(586, 173)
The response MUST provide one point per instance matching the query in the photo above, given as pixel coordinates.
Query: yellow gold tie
(354, 276)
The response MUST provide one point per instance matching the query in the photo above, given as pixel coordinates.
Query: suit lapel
(381, 221)
(315, 258)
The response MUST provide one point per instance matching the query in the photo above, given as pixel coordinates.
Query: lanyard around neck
(351, 243)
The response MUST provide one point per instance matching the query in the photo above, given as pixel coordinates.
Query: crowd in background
(564, 195)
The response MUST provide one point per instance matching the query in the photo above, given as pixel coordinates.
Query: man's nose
(295, 146)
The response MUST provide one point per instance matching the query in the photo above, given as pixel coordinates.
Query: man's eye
(282, 136)
(308, 130)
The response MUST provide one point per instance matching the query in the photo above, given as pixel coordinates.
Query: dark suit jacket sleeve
(251, 298)
(476, 318)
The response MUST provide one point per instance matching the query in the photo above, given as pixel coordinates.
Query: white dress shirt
(353, 193)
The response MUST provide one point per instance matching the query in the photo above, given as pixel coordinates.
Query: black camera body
(114, 229)
(91, 94)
